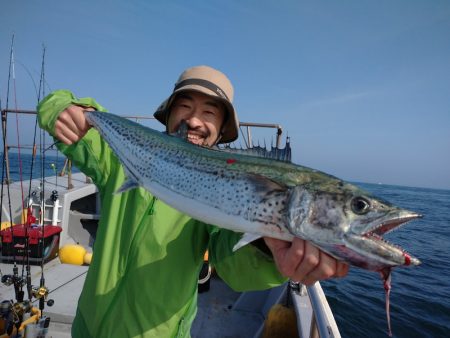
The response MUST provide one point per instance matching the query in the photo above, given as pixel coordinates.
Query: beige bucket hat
(211, 82)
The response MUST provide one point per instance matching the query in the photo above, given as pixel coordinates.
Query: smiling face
(203, 115)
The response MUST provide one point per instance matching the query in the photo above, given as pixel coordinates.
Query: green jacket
(142, 281)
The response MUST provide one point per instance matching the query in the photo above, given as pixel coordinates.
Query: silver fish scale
(207, 181)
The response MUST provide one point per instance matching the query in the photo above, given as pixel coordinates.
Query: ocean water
(53, 163)
(420, 296)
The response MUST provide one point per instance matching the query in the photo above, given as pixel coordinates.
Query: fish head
(348, 223)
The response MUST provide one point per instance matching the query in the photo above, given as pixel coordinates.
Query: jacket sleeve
(248, 268)
(91, 154)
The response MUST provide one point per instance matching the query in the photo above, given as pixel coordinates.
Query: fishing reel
(37, 195)
(16, 323)
(17, 281)
(5, 308)
(13, 314)
(41, 294)
(8, 316)
(54, 196)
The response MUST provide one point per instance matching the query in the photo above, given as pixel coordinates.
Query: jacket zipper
(151, 211)
(180, 328)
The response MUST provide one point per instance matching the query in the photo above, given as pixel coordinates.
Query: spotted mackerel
(252, 194)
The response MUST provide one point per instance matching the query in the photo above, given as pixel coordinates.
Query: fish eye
(360, 205)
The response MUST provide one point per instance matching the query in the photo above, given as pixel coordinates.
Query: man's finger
(311, 259)
(66, 135)
(341, 269)
(325, 269)
(80, 119)
(60, 136)
(294, 257)
(65, 121)
(276, 244)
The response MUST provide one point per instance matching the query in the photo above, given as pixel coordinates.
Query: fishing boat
(68, 204)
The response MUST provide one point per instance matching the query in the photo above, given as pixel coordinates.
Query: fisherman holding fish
(143, 277)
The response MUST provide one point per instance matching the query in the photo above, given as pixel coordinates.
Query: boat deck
(223, 312)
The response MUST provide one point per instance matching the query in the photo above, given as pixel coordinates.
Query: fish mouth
(389, 225)
(376, 233)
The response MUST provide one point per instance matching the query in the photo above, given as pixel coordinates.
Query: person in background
(142, 281)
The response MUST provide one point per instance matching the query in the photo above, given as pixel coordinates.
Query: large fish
(257, 195)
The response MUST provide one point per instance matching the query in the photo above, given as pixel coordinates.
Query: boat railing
(245, 129)
(322, 323)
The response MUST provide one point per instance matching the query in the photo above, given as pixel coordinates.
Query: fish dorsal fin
(275, 153)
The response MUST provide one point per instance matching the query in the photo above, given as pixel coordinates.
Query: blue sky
(361, 87)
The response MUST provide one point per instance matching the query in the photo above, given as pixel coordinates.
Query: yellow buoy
(281, 321)
(72, 254)
(87, 258)
(6, 225)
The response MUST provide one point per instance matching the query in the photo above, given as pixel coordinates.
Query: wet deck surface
(216, 316)
(223, 312)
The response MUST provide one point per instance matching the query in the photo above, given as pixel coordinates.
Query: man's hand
(71, 124)
(302, 262)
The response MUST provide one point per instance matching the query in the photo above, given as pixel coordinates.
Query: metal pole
(69, 175)
(313, 333)
(320, 320)
(249, 137)
(263, 125)
(279, 132)
(5, 148)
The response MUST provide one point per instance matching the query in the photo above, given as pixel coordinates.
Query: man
(143, 277)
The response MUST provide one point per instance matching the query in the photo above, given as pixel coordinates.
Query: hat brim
(230, 130)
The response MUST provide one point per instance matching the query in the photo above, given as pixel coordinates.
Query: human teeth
(193, 137)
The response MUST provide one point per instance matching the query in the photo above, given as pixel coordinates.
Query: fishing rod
(13, 312)
(43, 291)
(9, 310)
(7, 279)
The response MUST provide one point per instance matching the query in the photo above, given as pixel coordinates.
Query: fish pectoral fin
(128, 185)
(262, 183)
(247, 238)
